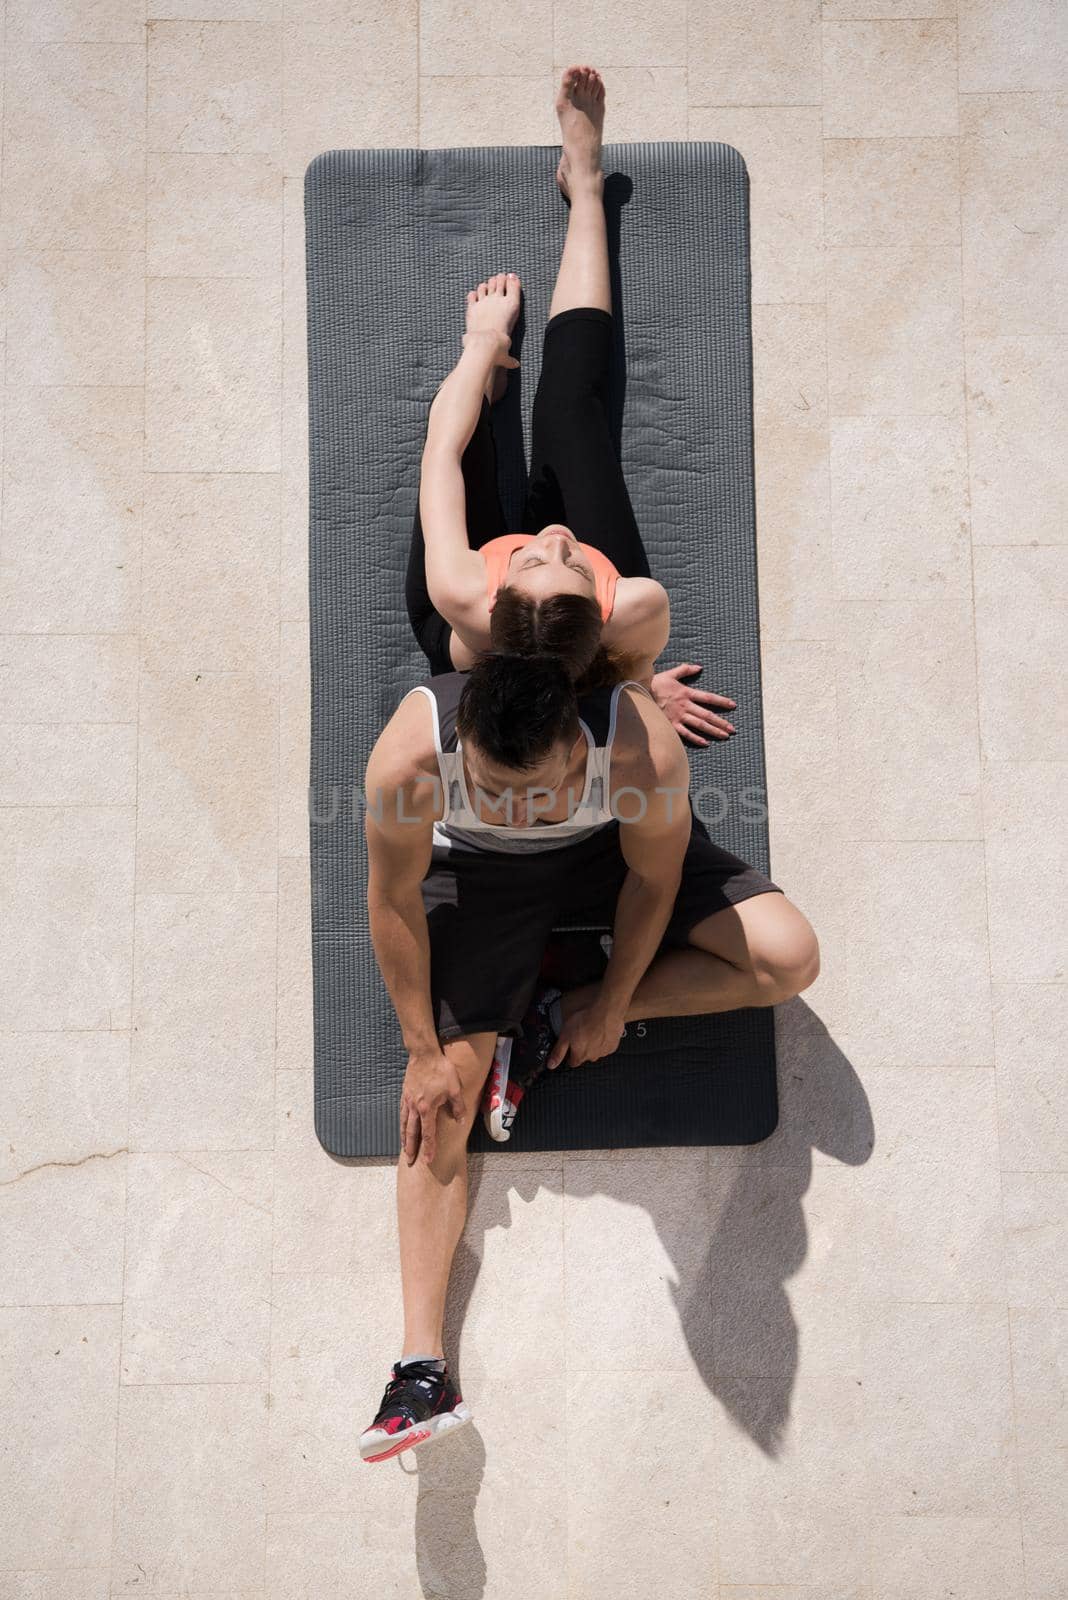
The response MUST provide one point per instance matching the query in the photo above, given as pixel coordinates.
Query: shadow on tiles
(730, 1290)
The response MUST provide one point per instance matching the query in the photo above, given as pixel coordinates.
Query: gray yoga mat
(395, 238)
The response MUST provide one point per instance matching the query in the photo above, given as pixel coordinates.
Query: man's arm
(398, 855)
(650, 785)
(399, 827)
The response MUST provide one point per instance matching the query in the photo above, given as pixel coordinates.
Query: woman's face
(551, 564)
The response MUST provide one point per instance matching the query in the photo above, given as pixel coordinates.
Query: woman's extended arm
(455, 574)
(455, 408)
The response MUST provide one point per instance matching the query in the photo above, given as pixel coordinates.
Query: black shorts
(490, 916)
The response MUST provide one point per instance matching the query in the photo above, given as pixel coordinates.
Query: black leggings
(575, 474)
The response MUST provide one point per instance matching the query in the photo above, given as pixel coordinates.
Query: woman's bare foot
(494, 305)
(580, 108)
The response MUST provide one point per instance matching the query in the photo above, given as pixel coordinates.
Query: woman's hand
(686, 708)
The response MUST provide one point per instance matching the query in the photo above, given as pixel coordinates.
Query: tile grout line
(7, 258)
(983, 821)
(282, 180)
(136, 803)
(830, 415)
(853, 1184)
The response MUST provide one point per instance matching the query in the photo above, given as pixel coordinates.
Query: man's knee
(786, 958)
(471, 1057)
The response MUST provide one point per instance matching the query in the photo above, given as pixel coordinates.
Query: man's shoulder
(646, 750)
(611, 699)
(407, 745)
(600, 708)
(439, 689)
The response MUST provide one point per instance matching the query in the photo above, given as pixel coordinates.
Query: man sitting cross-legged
(497, 804)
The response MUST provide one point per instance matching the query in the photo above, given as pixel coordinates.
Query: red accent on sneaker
(405, 1444)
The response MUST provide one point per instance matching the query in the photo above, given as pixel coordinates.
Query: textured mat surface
(395, 238)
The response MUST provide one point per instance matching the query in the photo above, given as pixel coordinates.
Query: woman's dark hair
(516, 708)
(567, 626)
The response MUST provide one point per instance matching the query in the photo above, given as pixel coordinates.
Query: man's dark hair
(516, 708)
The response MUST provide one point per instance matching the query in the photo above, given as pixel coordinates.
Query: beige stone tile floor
(829, 1367)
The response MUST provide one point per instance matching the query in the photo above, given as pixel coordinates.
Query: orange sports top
(498, 553)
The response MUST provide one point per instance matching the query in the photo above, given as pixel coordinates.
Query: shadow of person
(735, 1312)
(729, 1286)
(449, 1557)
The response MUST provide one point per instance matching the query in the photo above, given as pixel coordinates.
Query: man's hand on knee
(431, 1083)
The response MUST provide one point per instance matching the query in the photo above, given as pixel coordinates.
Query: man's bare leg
(758, 953)
(432, 1205)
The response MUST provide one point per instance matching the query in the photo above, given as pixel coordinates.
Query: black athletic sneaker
(419, 1404)
(533, 1044)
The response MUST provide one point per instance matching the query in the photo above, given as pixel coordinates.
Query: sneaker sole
(421, 1433)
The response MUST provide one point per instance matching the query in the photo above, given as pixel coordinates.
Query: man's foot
(420, 1403)
(518, 1062)
(538, 1032)
(495, 305)
(501, 1094)
(580, 108)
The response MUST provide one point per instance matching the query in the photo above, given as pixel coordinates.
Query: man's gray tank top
(461, 827)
